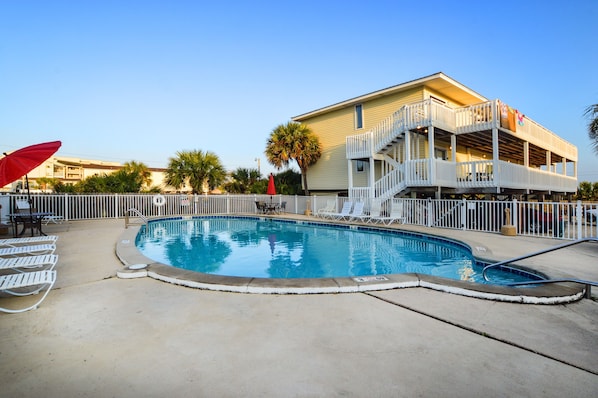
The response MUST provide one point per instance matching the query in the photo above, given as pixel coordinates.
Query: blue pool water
(266, 248)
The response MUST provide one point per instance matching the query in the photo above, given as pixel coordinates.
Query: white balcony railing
(359, 146)
(473, 118)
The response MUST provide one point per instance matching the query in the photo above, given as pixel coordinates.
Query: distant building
(434, 137)
(72, 170)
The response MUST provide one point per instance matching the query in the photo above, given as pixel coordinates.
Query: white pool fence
(561, 220)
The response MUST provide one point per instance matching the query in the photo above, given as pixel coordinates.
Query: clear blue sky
(141, 80)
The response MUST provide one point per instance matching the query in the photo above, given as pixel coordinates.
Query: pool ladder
(136, 213)
(588, 284)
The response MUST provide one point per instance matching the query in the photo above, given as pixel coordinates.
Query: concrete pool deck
(96, 335)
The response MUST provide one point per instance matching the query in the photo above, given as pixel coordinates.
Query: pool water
(266, 248)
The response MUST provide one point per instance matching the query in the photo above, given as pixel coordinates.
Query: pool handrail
(541, 281)
(133, 211)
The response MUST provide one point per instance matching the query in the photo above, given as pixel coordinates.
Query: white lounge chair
(344, 213)
(363, 216)
(375, 212)
(34, 250)
(14, 284)
(329, 209)
(357, 213)
(35, 240)
(396, 214)
(21, 264)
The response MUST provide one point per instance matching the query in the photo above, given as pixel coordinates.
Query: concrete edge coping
(136, 265)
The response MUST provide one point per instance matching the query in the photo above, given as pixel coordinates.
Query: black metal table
(31, 221)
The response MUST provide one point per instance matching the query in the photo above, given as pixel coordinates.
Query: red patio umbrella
(20, 162)
(271, 188)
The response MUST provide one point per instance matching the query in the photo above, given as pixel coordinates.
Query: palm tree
(293, 141)
(592, 114)
(139, 169)
(197, 168)
(242, 180)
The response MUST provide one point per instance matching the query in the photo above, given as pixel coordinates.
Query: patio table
(32, 221)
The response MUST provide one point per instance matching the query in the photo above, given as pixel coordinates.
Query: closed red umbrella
(271, 188)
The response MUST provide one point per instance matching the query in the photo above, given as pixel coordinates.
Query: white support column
(548, 161)
(431, 142)
(350, 167)
(407, 146)
(431, 155)
(372, 176)
(454, 148)
(526, 154)
(495, 158)
(564, 164)
(495, 149)
(407, 157)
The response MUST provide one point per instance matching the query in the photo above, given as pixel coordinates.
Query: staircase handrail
(390, 184)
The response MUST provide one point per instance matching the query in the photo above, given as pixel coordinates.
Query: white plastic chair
(35, 240)
(344, 213)
(24, 263)
(329, 209)
(13, 284)
(396, 214)
(34, 250)
(357, 213)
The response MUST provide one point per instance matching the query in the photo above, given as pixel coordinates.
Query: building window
(440, 153)
(358, 116)
(360, 166)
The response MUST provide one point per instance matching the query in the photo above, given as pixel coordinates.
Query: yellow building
(434, 136)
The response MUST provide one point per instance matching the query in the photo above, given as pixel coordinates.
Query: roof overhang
(438, 82)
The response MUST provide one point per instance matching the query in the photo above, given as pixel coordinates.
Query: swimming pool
(268, 248)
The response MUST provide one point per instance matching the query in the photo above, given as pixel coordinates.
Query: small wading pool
(281, 249)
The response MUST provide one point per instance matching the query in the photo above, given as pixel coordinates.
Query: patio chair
(13, 242)
(281, 208)
(261, 206)
(20, 264)
(329, 209)
(22, 205)
(344, 213)
(34, 250)
(396, 214)
(375, 212)
(14, 284)
(357, 213)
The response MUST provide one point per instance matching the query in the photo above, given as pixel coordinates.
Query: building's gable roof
(438, 82)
